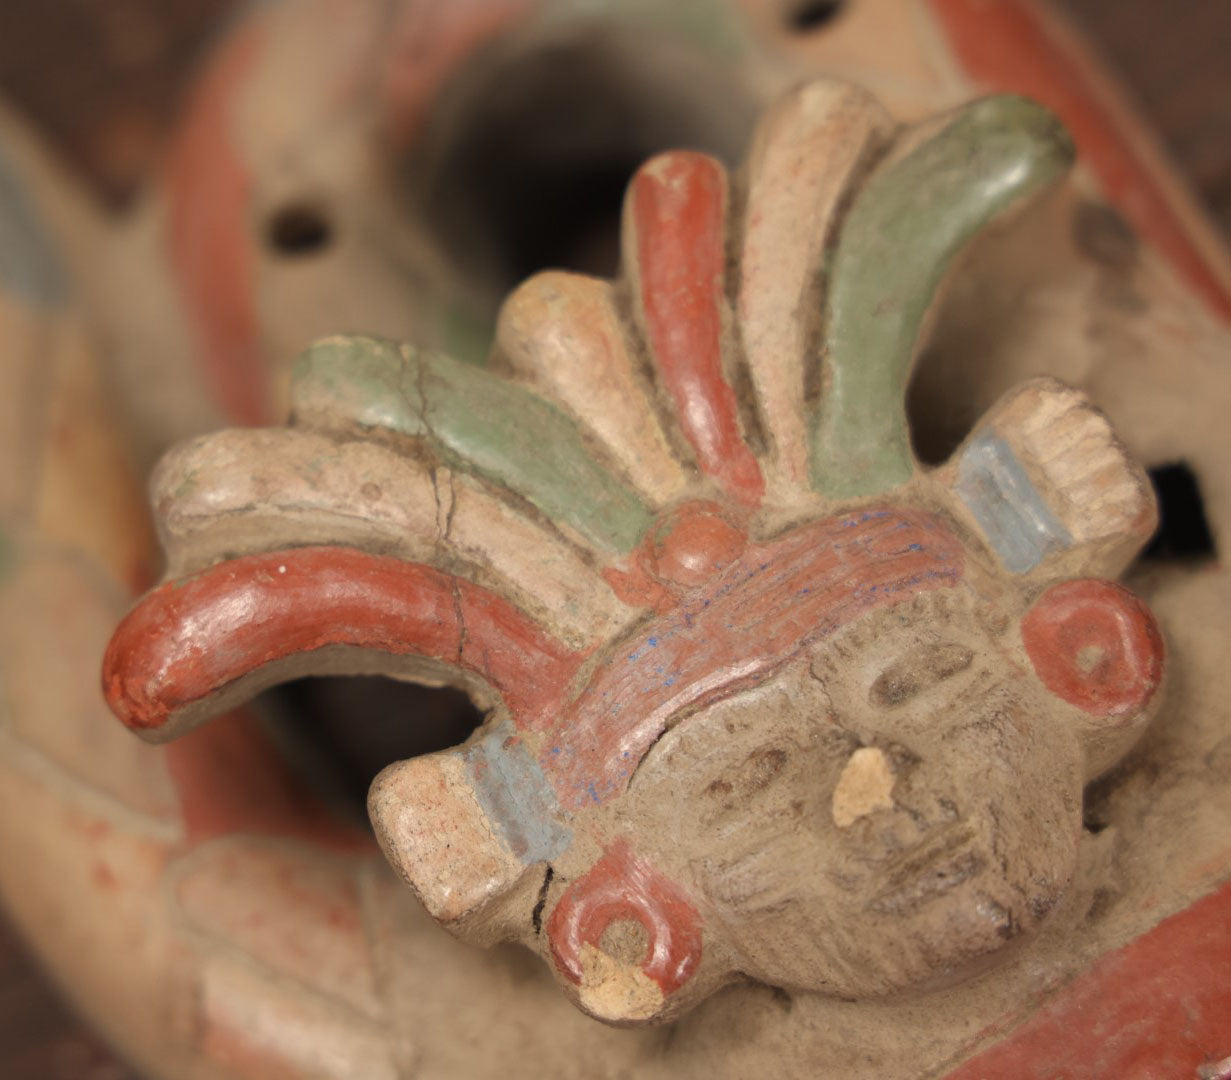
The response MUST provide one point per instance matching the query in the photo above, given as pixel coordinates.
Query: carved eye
(1095, 645)
(917, 670)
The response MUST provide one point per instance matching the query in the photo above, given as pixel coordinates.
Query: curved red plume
(190, 638)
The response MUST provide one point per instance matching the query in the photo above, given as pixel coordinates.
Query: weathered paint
(563, 335)
(515, 796)
(192, 637)
(474, 421)
(1010, 46)
(1157, 1009)
(29, 265)
(209, 233)
(1014, 518)
(289, 910)
(678, 217)
(1096, 645)
(621, 886)
(768, 606)
(1062, 480)
(633, 585)
(437, 835)
(899, 239)
(248, 1023)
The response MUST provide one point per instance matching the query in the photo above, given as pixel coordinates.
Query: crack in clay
(536, 916)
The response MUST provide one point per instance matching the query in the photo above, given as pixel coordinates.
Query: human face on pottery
(975, 840)
(889, 812)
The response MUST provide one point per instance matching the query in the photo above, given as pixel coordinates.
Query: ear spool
(622, 887)
(1097, 647)
(1044, 481)
(1094, 644)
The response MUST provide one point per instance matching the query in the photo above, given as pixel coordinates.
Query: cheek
(1018, 776)
(1021, 751)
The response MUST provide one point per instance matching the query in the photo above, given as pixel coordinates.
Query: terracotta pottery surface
(799, 672)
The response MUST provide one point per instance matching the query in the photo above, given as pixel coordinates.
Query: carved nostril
(865, 786)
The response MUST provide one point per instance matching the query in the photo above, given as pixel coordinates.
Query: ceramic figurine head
(766, 697)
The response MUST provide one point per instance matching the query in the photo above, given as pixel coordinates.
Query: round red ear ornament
(622, 888)
(1095, 644)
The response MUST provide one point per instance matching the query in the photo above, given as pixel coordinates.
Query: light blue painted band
(1012, 513)
(516, 796)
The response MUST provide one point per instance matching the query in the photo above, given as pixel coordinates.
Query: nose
(865, 786)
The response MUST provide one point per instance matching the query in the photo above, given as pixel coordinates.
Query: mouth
(929, 871)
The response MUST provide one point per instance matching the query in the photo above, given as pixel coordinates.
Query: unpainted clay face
(899, 797)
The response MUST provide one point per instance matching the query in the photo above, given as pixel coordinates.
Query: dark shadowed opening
(339, 732)
(808, 16)
(524, 165)
(299, 229)
(943, 403)
(1183, 529)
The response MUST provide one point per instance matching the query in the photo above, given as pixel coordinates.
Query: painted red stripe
(764, 609)
(678, 203)
(189, 638)
(230, 779)
(208, 234)
(1157, 1009)
(1007, 45)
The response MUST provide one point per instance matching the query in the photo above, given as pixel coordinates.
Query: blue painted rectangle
(516, 796)
(1008, 507)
